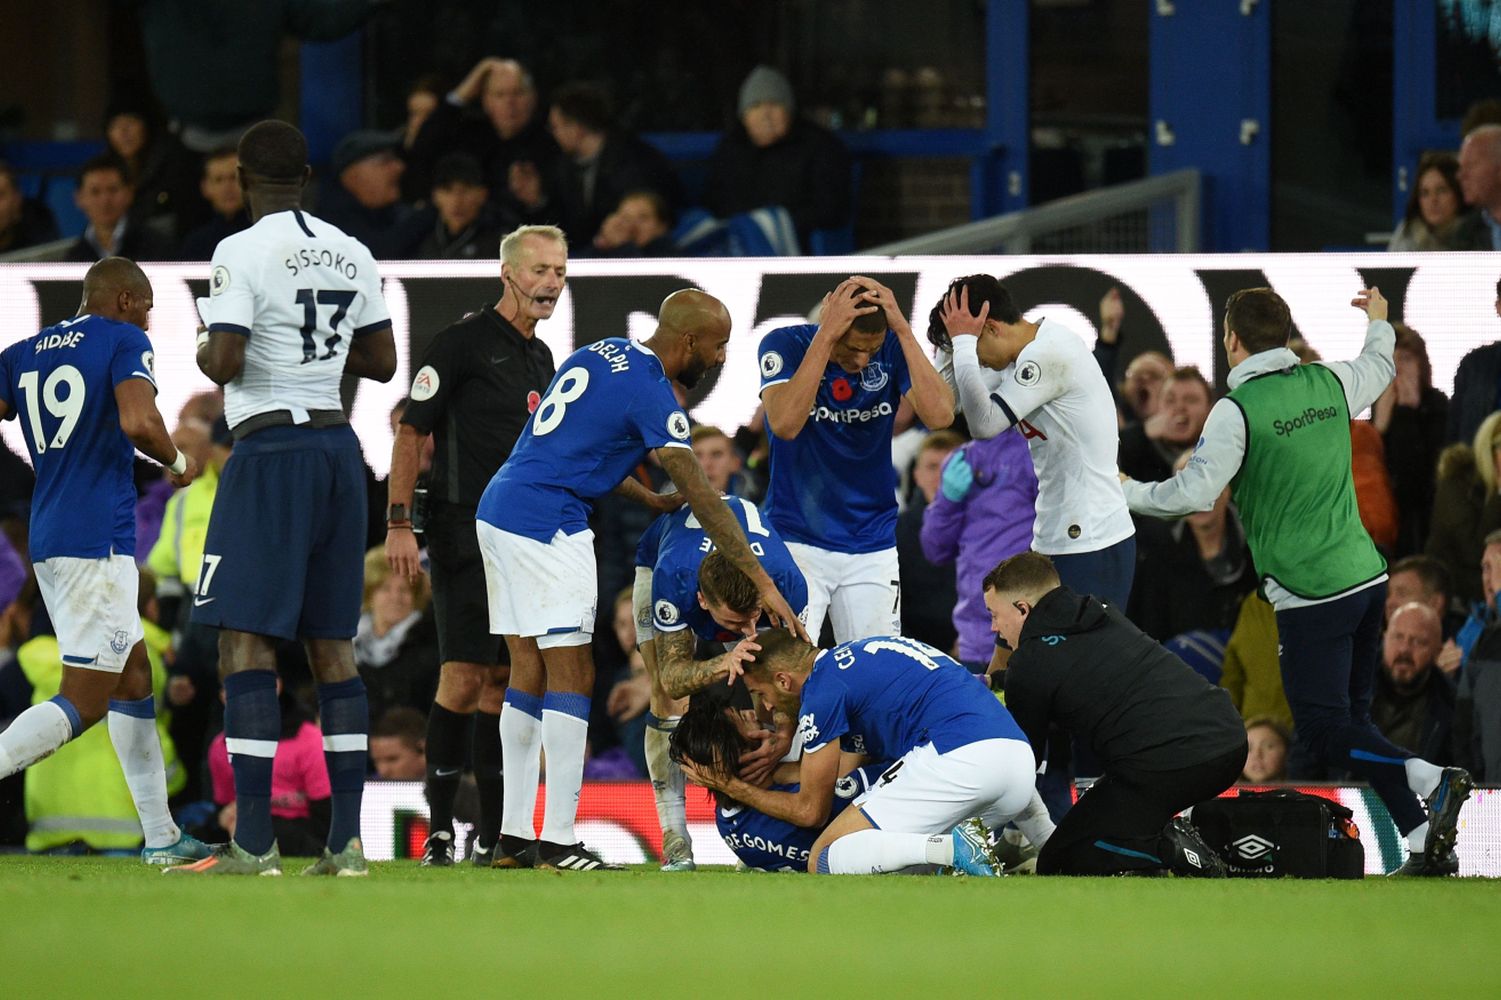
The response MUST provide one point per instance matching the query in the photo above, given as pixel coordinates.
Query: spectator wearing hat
(462, 226)
(220, 186)
(600, 164)
(365, 199)
(771, 157)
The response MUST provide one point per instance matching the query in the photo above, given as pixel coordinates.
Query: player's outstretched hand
(840, 307)
(401, 553)
(759, 764)
(879, 295)
(780, 613)
(736, 659)
(188, 474)
(956, 315)
(1372, 301)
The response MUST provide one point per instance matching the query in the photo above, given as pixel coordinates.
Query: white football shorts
(542, 590)
(93, 607)
(929, 792)
(861, 592)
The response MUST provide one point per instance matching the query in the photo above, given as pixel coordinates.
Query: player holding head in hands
(85, 393)
(831, 393)
(1281, 441)
(294, 306)
(611, 403)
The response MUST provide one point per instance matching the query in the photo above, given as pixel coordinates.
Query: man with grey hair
(479, 382)
(1480, 179)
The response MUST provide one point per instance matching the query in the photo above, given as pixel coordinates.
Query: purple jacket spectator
(978, 524)
(151, 507)
(12, 572)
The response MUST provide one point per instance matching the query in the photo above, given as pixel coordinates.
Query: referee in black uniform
(1167, 739)
(480, 380)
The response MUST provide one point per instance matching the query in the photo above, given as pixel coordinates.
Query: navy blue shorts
(1106, 573)
(285, 552)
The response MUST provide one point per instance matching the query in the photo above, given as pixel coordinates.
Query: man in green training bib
(1281, 441)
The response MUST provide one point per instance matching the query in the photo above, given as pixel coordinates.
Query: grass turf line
(114, 927)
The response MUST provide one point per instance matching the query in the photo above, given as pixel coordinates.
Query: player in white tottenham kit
(85, 393)
(831, 394)
(1041, 379)
(294, 306)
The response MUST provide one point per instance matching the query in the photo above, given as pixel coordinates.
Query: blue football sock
(345, 714)
(252, 726)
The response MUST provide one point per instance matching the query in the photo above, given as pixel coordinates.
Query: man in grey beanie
(772, 158)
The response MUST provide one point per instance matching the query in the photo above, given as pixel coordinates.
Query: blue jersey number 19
(64, 408)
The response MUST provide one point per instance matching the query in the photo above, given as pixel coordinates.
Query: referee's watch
(397, 516)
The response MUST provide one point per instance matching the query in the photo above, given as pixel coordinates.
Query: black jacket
(807, 173)
(1085, 667)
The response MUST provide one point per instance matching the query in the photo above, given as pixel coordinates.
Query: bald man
(85, 392)
(1413, 705)
(1480, 178)
(611, 403)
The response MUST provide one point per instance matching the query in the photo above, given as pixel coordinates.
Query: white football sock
(874, 852)
(1422, 777)
(32, 735)
(1034, 822)
(668, 785)
(140, 752)
(564, 738)
(521, 756)
(1417, 837)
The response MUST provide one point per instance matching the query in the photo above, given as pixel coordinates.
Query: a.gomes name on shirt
(613, 355)
(850, 416)
(320, 257)
(753, 843)
(1309, 416)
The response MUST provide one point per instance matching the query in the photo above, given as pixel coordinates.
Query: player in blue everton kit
(85, 393)
(708, 733)
(959, 755)
(831, 394)
(295, 305)
(684, 592)
(609, 405)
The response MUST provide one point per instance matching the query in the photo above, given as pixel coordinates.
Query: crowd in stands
(469, 164)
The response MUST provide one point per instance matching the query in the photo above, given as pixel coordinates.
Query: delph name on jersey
(850, 416)
(613, 355)
(320, 257)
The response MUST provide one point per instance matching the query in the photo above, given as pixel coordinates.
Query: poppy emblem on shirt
(841, 390)
(1029, 373)
(533, 400)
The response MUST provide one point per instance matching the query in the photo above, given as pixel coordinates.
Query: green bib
(1294, 490)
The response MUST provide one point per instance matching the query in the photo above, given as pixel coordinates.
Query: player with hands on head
(830, 394)
(85, 393)
(295, 305)
(1280, 440)
(611, 403)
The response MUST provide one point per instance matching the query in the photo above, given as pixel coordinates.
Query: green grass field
(105, 927)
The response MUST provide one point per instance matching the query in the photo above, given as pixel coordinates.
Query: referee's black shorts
(458, 574)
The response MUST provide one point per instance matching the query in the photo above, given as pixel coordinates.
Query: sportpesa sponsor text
(849, 416)
(1312, 415)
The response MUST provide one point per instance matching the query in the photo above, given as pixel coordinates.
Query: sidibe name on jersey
(70, 339)
(307, 257)
(850, 416)
(614, 356)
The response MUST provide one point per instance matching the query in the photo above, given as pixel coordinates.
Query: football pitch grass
(115, 928)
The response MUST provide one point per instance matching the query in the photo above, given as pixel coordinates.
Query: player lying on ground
(685, 592)
(958, 753)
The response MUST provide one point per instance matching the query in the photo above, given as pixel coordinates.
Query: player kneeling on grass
(711, 733)
(958, 754)
(1166, 737)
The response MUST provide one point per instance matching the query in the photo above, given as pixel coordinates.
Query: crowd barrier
(619, 820)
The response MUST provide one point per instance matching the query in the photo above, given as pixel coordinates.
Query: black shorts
(460, 606)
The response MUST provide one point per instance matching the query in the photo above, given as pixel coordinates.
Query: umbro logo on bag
(1251, 847)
